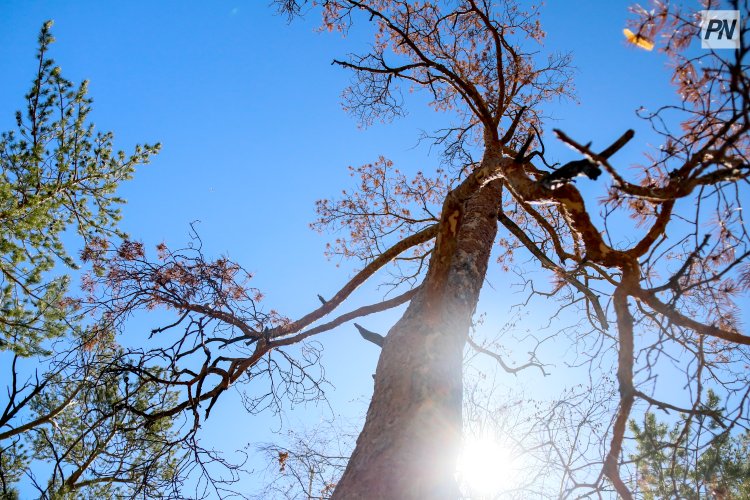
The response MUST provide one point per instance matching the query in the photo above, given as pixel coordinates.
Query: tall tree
(58, 175)
(668, 287)
(66, 378)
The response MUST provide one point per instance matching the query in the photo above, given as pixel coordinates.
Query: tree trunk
(412, 434)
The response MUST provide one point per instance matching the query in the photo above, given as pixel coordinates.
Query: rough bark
(412, 434)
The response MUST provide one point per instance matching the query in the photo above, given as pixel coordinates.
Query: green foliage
(99, 441)
(692, 459)
(11, 494)
(56, 175)
(13, 460)
(87, 424)
(82, 412)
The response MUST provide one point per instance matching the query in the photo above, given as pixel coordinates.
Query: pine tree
(57, 175)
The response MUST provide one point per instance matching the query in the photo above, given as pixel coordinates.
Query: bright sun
(486, 466)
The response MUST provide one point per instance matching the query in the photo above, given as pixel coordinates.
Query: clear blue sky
(247, 109)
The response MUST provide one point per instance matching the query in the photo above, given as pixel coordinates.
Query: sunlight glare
(486, 466)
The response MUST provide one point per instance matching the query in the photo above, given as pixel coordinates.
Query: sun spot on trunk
(453, 221)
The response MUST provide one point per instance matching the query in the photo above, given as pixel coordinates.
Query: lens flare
(486, 466)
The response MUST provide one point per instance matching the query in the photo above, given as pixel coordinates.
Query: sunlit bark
(410, 441)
